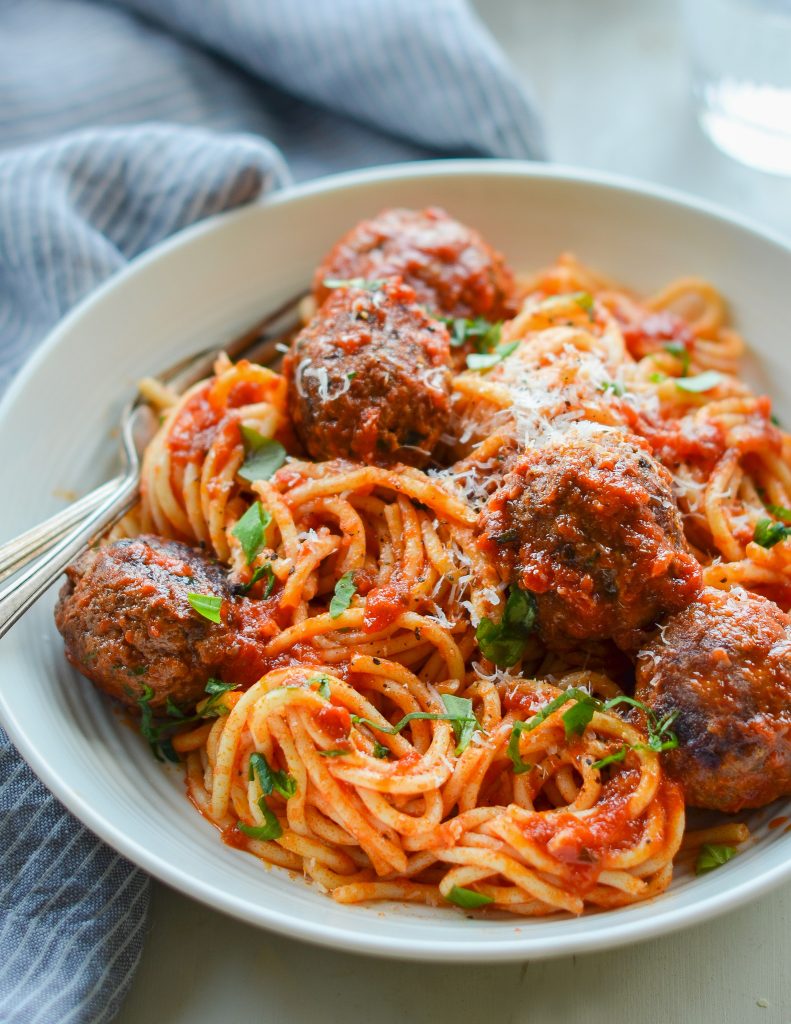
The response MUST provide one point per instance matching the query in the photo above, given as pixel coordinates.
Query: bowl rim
(483, 949)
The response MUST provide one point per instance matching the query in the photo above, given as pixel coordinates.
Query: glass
(741, 76)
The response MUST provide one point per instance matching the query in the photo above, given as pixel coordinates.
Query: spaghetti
(380, 753)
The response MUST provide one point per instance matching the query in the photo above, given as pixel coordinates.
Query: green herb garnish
(323, 685)
(250, 530)
(173, 710)
(483, 335)
(574, 722)
(263, 455)
(465, 723)
(504, 642)
(345, 589)
(615, 758)
(271, 781)
(701, 382)
(262, 571)
(161, 746)
(380, 750)
(206, 605)
(468, 899)
(333, 753)
(615, 386)
(713, 855)
(486, 360)
(681, 352)
(458, 712)
(214, 706)
(780, 511)
(579, 716)
(767, 532)
(270, 830)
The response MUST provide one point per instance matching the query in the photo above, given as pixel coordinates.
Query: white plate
(204, 286)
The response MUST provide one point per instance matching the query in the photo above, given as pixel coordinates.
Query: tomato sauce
(334, 721)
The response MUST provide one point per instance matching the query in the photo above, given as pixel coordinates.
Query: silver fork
(65, 535)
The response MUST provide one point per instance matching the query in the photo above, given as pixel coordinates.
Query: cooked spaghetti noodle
(380, 753)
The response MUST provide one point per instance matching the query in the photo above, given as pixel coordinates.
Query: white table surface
(610, 77)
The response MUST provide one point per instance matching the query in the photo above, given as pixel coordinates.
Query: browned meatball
(724, 663)
(453, 271)
(588, 523)
(368, 378)
(127, 622)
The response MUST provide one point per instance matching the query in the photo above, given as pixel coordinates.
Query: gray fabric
(120, 124)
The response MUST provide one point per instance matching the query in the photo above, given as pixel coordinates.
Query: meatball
(453, 271)
(368, 378)
(724, 664)
(127, 623)
(588, 523)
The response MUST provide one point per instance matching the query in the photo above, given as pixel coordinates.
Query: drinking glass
(741, 77)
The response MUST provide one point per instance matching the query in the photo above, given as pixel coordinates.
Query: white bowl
(57, 432)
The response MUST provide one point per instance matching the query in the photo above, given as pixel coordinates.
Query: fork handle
(16, 553)
(18, 595)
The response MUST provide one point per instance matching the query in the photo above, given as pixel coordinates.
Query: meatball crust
(589, 524)
(453, 271)
(127, 622)
(368, 378)
(724, 663)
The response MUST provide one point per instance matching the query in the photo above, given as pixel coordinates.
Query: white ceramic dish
(56, 427)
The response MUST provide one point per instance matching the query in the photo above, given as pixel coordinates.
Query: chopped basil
(173, 710)
(483, 335)
(345, 589)
(269, 779)
(657, 378)
(486, 360)
(214, 707)
(660, 738)
(263, 455)
(459, 713)
(157, 735)
(333, 753)
(250, 530)
(468, 899)
(681, 352)
(615, 386)
(504, 642)
(780, 511)
(262, 571)
(354, 282)
(323, 685)
(713, 855)
(380, 750)
(270, 830)
(579, 716)
(574, 722)
(615, 758)
(206, 605)
(465, 724)
(702, 382)
(161, 746)
(767, 533)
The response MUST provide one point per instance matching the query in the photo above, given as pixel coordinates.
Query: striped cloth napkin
(120, 124)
